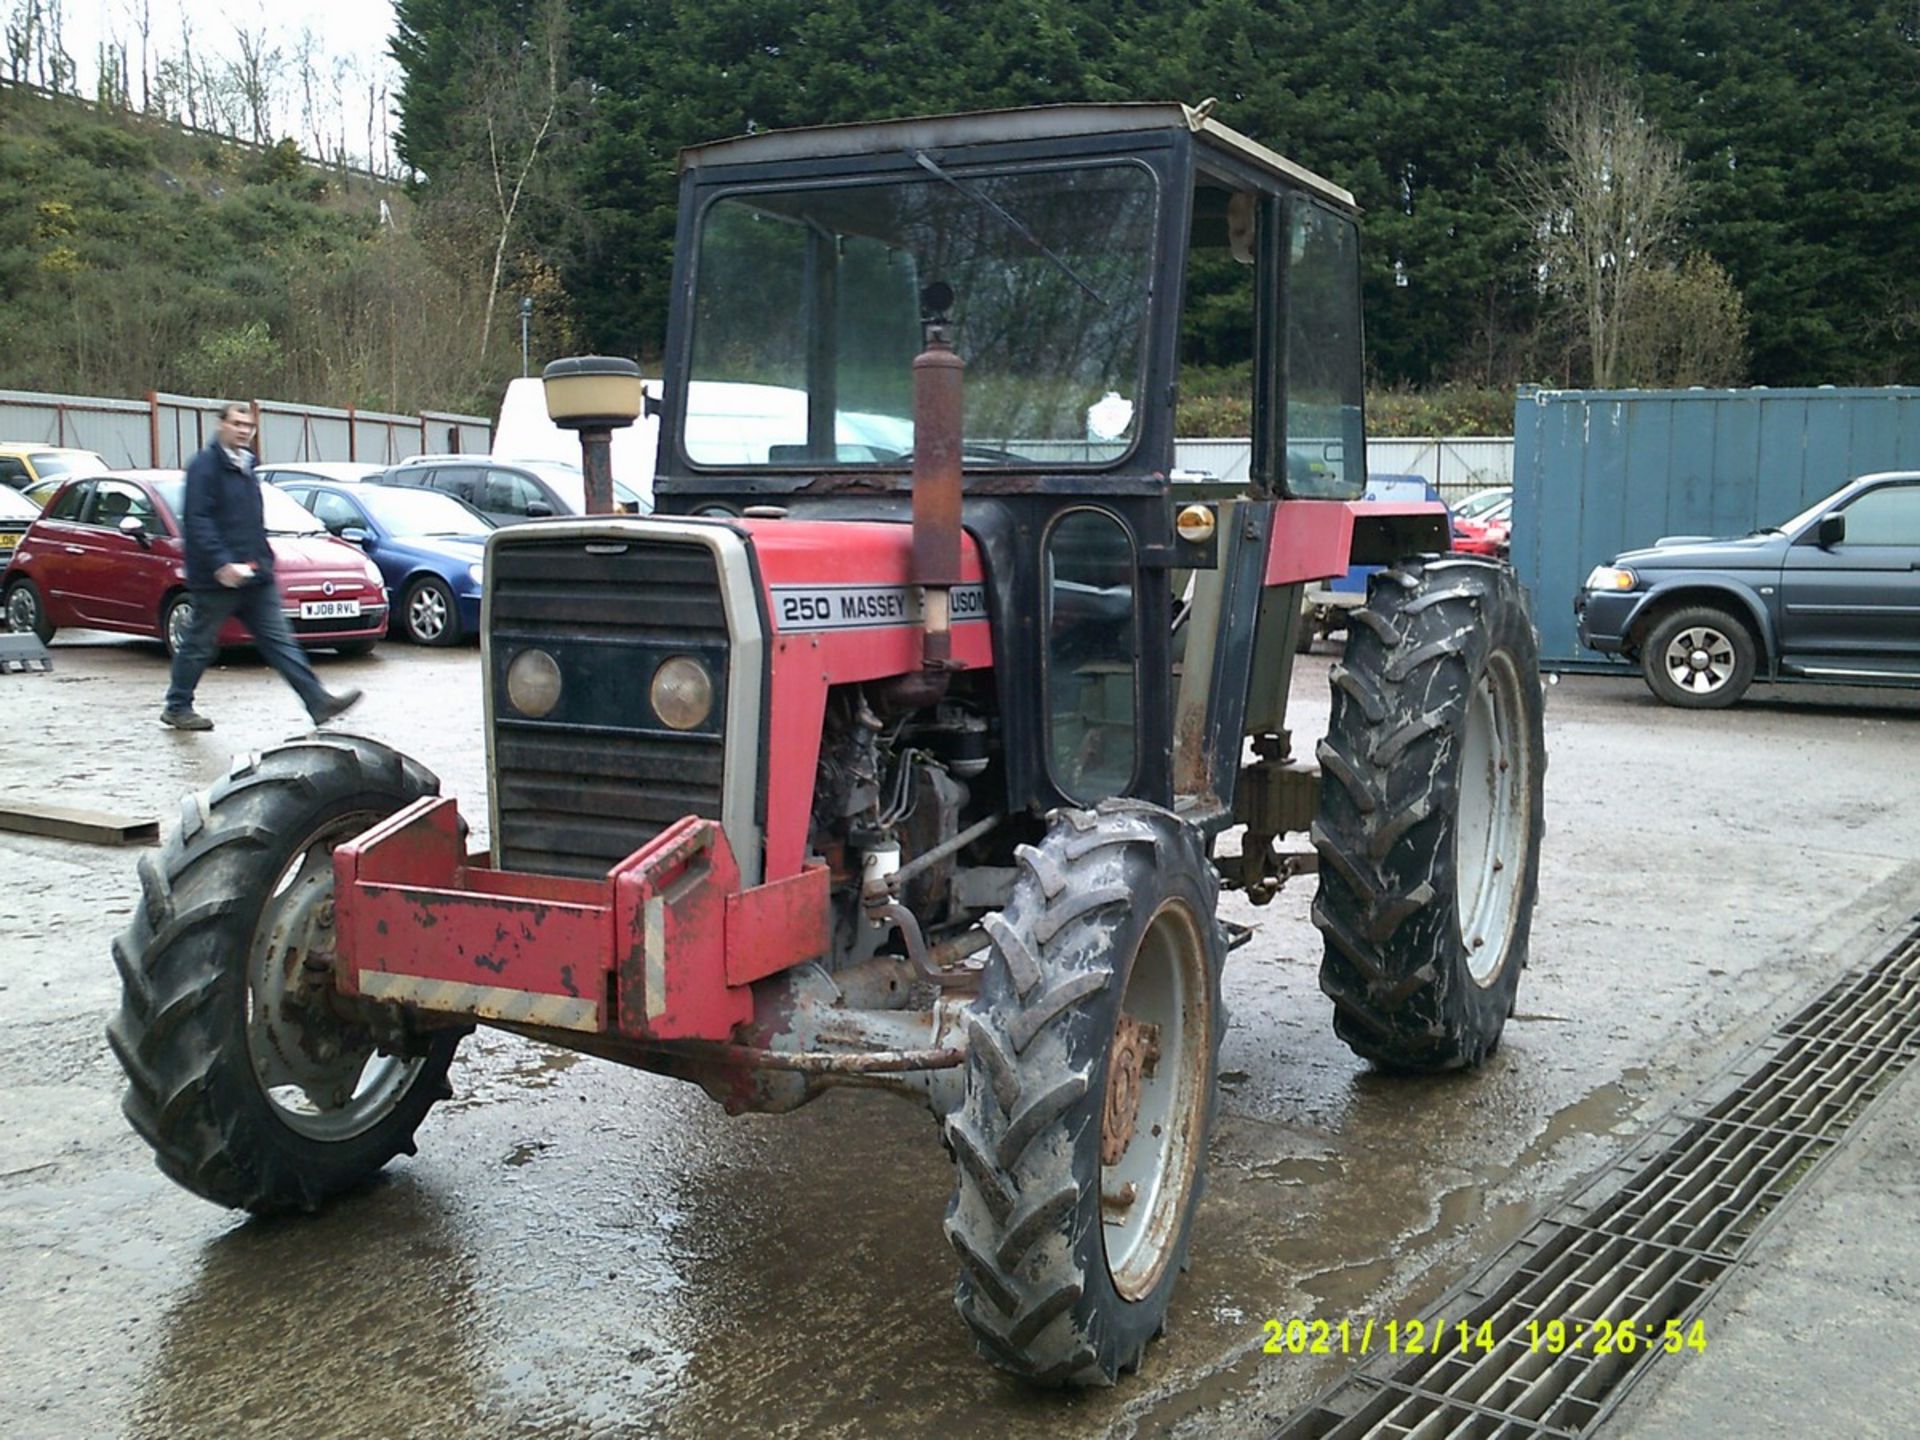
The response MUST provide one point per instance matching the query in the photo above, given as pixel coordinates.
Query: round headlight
(533, 683)
(682, 693)
(477, 573)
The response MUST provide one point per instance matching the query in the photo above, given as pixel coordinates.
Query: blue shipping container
(1601, 471)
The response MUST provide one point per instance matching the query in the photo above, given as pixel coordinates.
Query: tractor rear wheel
(1081, 1141)
(255, 1084)
(1430, 814)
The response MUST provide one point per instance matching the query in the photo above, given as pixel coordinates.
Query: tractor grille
(578, 790)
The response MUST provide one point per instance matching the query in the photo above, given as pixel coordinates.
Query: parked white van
(729, 423)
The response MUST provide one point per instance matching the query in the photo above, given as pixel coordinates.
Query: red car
(106, 553)
(1486, 534)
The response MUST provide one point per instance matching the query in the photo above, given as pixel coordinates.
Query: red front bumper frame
(666, 947)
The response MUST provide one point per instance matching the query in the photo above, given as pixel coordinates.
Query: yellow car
(16, 513)
(22, 464)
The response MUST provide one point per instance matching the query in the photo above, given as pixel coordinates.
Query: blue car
(428, 546)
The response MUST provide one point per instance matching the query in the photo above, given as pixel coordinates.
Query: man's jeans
(258, 606)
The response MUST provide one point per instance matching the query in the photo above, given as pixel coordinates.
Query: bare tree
(306, 72)
(189, 71)
(518, 88)
(1605, 207)
(254, 76)
(45, 25)
(23, 39)
(142, 17)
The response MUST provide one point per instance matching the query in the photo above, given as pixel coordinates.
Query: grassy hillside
(134, 256)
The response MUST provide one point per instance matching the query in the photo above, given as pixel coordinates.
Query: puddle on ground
(1345, 1198)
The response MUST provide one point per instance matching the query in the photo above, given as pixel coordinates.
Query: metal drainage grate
(1646, 1240)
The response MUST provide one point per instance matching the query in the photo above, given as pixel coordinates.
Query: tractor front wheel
(1081, 1141)
(1430, 814)
(255, 1083)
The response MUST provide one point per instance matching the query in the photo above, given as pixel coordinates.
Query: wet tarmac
(581, 1250)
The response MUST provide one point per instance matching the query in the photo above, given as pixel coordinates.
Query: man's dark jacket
(224, 521)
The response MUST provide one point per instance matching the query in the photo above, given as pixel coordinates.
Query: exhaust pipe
(937, 418)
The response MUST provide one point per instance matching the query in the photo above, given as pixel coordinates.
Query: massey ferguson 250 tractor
(911, 742)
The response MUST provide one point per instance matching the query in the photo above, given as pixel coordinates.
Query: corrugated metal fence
(1459, 465)
(1601, 471)
(164, 430)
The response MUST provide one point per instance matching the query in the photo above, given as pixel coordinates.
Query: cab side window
(13, 472)
(1090, 655)
(1326, 454)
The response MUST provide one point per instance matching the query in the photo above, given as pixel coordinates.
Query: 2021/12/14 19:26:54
(1436, 1337)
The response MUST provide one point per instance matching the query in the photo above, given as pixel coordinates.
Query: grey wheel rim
(323, 1076)
(179, 619)
(427, 613)
(1145, 1193)
(23, 611)
(1491, 827)
(1699, 659)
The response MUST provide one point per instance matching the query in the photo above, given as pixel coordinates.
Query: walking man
(230, 573)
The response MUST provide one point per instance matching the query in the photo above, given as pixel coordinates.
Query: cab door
(1854, 606)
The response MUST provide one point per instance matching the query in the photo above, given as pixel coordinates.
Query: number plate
(328, 609)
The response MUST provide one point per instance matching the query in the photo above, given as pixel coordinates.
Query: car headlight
(1608, 577)
(682, 692)
(533, 683)
(374, 577)
(477, 573)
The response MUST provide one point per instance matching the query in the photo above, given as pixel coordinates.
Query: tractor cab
(1054, 247)
(1053, 251)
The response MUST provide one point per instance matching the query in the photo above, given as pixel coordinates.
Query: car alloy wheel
(1699, 659)
(428, 614)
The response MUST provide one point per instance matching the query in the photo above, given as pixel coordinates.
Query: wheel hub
(1130, 1063)
(1492, 826)
(429, 614)
(329, 1075)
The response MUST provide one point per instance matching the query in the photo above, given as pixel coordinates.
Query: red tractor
(911, 742)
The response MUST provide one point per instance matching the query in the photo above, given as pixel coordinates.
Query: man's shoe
(185, 720)
(336, 705)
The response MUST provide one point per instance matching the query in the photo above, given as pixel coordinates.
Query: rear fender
(1318, 539)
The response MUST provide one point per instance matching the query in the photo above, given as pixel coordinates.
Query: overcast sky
(351, 32)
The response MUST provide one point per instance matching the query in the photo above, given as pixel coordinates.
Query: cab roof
(985, 127)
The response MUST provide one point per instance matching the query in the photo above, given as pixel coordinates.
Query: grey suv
(1833, 594)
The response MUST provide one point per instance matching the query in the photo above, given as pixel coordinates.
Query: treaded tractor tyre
(252, 1088)
(1090, 1093)
(1431, 814)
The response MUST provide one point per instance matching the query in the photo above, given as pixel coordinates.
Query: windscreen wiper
(980, 197)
